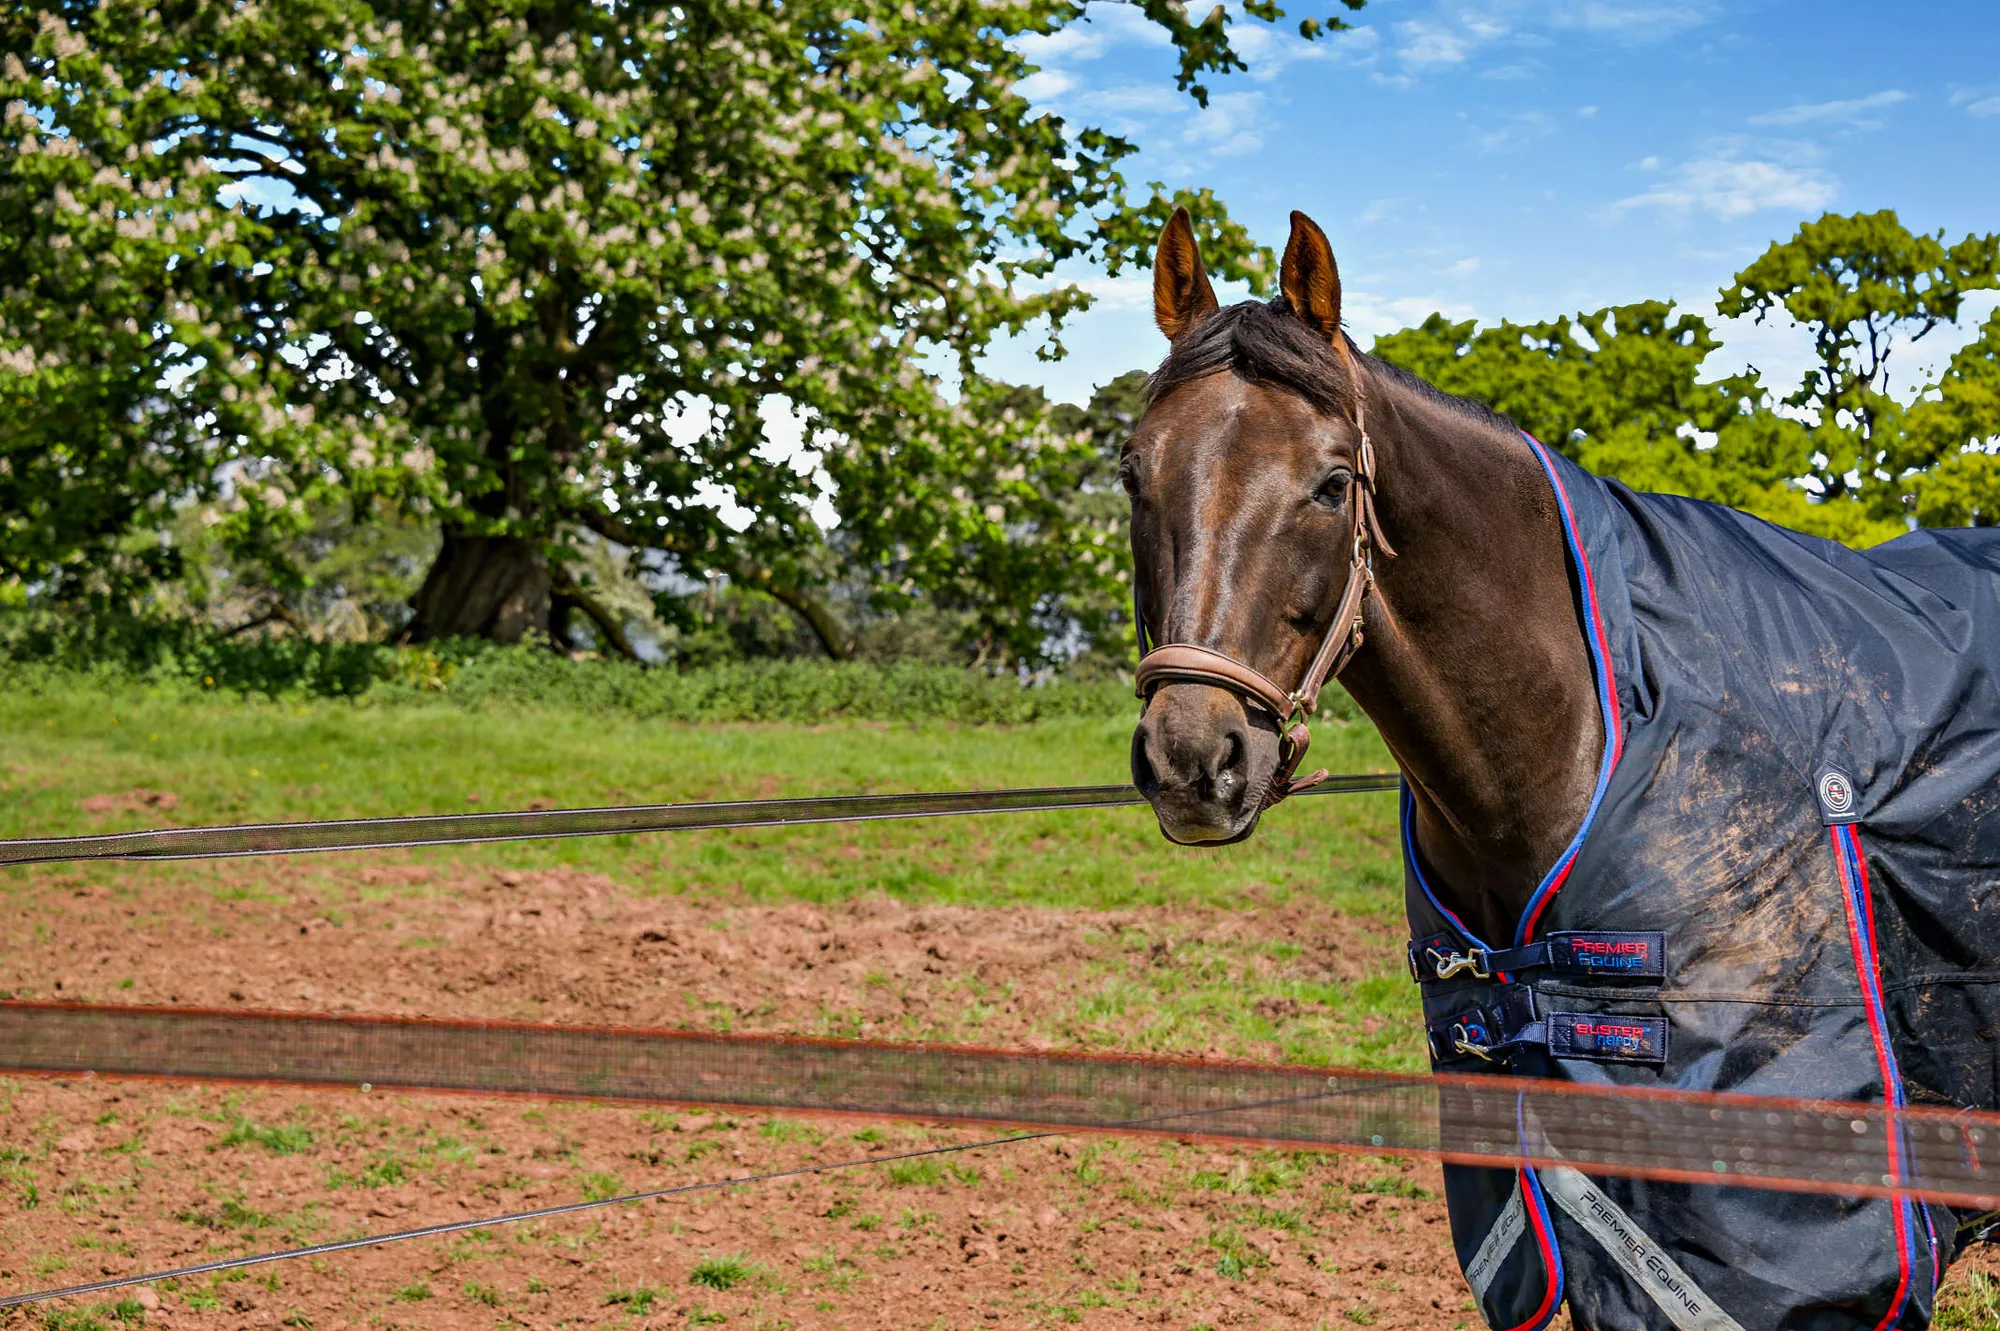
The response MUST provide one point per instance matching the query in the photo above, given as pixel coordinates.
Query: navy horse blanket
(1788, 883)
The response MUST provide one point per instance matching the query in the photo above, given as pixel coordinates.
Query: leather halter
(1186, 662)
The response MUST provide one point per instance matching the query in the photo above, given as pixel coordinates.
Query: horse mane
(1266, 343)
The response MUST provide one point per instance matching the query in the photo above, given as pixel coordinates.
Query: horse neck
(1475, 670)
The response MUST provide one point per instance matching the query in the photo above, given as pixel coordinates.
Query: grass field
(246, 761)
(1077, 929)
(1327, 858)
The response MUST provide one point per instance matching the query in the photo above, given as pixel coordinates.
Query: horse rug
(1787, 883)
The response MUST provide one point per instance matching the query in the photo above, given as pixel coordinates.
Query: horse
(1689, 800)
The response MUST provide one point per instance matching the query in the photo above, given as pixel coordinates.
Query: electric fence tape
(190, 843)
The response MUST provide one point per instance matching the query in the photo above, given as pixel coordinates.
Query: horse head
(1253, 533)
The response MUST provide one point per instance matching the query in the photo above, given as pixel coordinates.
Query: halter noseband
(1186, 662)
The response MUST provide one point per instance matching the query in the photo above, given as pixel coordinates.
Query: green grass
(638, 1300)
(923, 1172)
(1969, 1304)
(101, 1317)
(230, 760)
(724, 1272)
(601, 1187)
(277, 1138)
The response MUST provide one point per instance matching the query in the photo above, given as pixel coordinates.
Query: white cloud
(1135, 97)
(1368, 314)
(1516, 131)
(1117, 293)
(1729, 188)
(1463, 268)
(1434, 43)
(1978, 101)
(1852, 111)
(1382, 210)
(1585, 112)
(1228, 126)
(1455, 31)
(1268, 49)
(1635, 22)
(1104, 25)
(1045, 85)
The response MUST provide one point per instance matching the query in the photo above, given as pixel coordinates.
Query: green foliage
(1957, 425)
(41, 651)
(1860, 283)
(177, 651)
(1621, 382)
(536, 270)
(1621, 390)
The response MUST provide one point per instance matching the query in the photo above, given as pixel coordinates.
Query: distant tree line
(1622, 391)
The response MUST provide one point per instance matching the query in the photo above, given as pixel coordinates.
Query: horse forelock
(1263, 344)
(1266, 343)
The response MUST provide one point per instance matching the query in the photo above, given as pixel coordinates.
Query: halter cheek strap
(1189, 663)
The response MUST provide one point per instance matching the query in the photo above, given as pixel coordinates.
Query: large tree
(533, 268)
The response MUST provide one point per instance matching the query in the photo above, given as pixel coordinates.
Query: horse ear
(1182, 296)
(1309, 279)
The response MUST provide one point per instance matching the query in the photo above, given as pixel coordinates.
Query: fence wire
(1628, 1131)
(193, 843)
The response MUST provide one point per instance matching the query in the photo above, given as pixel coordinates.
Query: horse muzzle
(1204, 761)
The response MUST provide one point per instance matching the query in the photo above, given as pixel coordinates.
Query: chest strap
(1508, 1024)
(1595, 954)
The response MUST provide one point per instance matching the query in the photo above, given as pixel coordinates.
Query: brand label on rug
(1637, 956)
(1839, 798)
(1604, 1038)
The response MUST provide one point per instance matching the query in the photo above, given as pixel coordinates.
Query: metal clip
(1461, 1040)
(1445, 965)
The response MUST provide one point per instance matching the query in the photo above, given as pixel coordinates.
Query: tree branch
(609, 627)
(818, 615)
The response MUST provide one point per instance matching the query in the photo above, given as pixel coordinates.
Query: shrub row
(40, 652)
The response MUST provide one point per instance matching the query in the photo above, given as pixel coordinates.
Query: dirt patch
(1098, 1231)
(130, 801)
(571, 946)
(110, 1178)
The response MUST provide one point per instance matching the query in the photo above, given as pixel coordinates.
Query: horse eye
(1129, 479)
(1334, 488)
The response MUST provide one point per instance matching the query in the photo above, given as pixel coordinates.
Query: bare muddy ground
(572, 946)
(101, 1178)
(1075, 1230)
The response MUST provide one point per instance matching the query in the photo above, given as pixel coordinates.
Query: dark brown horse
(1474, 668)
(1766, 764)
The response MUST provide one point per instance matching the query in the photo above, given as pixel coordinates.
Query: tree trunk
(482, 587)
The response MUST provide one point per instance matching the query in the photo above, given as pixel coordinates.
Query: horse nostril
(1234, 759)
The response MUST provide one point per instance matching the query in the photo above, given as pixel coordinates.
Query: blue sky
(1529, 158)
